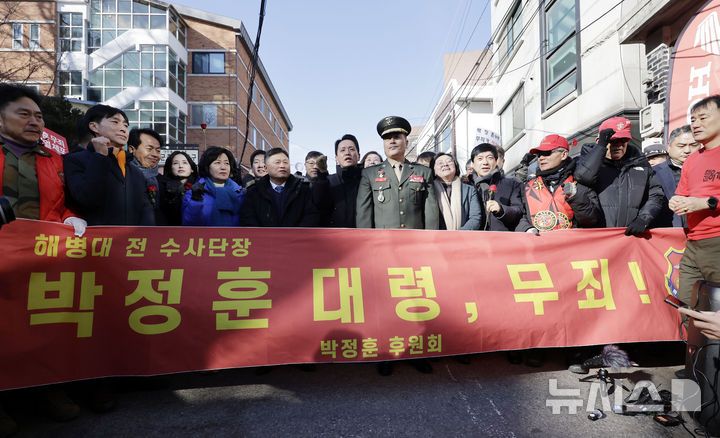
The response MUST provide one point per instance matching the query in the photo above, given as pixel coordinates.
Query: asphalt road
(487, 398)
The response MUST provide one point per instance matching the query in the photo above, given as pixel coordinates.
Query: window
(34, 36)
(71, 32)
(443, 140)
(213, 63)
(176, 74)
(510, 34)
(70, 83)
(512, 118)
(559, 48)
(276, 128)
(263, 105)
(253, 135)
(513, 27)
(203, 114)
(146, 68)
(17, 41)
(111, 18)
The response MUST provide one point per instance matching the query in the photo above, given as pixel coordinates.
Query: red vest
(548, 211)
(51, 185)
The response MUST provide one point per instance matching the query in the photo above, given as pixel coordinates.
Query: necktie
(398, 171)
(279, 189)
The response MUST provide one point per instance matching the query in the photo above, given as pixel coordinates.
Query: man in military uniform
(396, 193)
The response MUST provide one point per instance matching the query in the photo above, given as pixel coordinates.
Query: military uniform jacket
(385, 202)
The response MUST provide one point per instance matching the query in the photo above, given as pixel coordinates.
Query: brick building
(169, 67)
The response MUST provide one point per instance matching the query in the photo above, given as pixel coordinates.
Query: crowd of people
(113, 177)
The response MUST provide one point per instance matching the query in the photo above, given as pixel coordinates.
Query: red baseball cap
(552, 141)
(620, 125)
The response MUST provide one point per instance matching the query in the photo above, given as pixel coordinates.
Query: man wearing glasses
(553, 200)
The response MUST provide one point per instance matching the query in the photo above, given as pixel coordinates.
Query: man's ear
(131, 149)
(93, 127)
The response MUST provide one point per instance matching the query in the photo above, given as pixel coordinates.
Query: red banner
(694, 65)
(151, 300)
(55, 142)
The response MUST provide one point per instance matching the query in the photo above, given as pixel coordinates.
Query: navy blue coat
(298, 210)
(664, 175)
(508, 195)
(101, 194)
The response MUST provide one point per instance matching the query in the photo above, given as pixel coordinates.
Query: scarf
(226, 204)
(451, 208)
(149, 174)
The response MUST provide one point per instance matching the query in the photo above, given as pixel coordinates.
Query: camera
(7, 214)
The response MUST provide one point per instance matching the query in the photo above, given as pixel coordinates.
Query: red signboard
(55, 142)
(151, 300)
(694, 66)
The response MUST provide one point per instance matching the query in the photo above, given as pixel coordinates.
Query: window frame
(204, 107)
(17, 42)
(511, 105)
(207, 64)
(34, 43)
(546, 55)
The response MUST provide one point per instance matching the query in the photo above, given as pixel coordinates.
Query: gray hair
(677, 132)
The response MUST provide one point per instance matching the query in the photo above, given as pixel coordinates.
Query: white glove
(78, 224)
(533, 231)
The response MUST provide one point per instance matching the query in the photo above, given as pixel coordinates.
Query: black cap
(392, 124)
(654, 150)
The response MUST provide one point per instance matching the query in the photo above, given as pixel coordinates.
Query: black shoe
(514, 357)
(681, 374)
(534, 358)
(385, 368)
(422, 365)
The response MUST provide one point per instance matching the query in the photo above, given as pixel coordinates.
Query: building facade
(463, 117)
(170, 68)
(561, 68)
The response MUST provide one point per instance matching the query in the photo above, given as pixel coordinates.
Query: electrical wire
(251, 85)
(500, 62)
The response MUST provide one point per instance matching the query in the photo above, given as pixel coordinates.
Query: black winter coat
(508, 195)
(101, 194)
(626, 188)
(259, 210)
(336, 196)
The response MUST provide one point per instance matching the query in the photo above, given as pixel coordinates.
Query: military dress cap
(393, 124)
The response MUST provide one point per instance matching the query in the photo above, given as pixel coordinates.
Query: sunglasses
(548, 153)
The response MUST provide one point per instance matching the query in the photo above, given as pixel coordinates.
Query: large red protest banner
(694, 65)
(147, 300)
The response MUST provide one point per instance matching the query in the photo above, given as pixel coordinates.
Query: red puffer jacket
(51, 182)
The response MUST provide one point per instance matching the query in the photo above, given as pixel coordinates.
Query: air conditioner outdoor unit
(652, 120)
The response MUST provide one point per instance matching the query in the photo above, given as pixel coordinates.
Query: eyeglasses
(311, 162)
(548, 153)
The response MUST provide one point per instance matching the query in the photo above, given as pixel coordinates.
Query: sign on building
(190, 149)
(487, 136)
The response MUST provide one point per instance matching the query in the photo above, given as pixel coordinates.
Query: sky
(340, 66)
